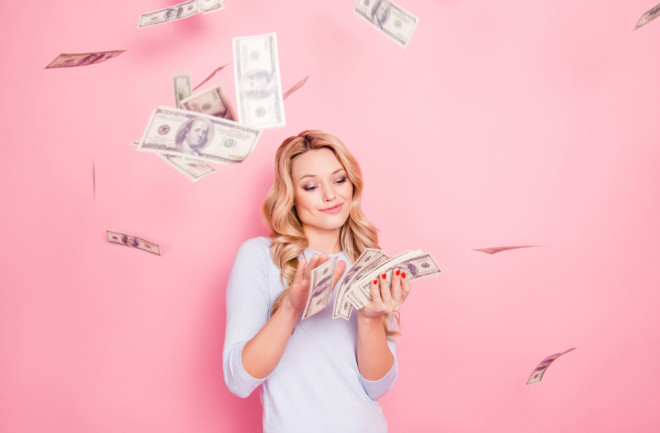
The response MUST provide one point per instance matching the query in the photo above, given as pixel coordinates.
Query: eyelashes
(312, 187)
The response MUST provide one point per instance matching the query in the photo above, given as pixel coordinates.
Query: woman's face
(322, 192)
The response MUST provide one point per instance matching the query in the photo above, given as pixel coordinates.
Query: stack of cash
(354, 289)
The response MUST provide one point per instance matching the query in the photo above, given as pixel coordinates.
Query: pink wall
(502, 123)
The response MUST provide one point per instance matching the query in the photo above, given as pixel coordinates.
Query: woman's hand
(386, 299)
(297, 297)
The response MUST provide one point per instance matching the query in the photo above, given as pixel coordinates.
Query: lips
(333, 209)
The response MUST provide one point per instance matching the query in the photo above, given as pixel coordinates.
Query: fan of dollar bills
(354, 289)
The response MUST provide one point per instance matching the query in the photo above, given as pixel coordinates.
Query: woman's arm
(375, 359)
(261, 354)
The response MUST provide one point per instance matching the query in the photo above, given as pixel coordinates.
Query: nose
(328, 193)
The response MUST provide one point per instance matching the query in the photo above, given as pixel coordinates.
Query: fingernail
(403, 275)
(384, 276)
(375, 281)
(398, 272)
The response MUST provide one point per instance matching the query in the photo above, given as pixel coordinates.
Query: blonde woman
(317, 375)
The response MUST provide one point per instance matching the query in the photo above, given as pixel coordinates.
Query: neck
(324, 241)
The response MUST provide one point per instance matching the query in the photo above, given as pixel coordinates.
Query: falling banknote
(81, 59)
(132, 241)
(648, 16)
(539, 371)
(169, 14)
(182, 88)
(392, 20)
(198, 136)
(493, 250)
(212, 101)
(258, 84)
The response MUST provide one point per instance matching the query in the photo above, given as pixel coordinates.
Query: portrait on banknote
(380, 12)
(193, 135)
(258, 84)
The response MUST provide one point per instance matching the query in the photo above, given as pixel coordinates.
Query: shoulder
(255, 249)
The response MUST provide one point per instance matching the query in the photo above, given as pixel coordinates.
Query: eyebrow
(314, 175)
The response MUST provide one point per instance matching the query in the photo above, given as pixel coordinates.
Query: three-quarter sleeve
(247, 311)
(375, 389)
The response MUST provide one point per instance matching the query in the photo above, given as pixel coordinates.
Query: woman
(317, 375)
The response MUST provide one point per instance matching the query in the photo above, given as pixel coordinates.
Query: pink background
(502, 123)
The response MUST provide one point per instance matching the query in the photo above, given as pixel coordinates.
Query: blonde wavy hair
(288, 237)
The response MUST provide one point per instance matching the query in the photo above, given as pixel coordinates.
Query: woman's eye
(341, 180)
(309, 187)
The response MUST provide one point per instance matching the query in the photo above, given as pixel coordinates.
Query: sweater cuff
(375, 389)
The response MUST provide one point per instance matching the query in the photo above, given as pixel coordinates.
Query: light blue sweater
(316, 387)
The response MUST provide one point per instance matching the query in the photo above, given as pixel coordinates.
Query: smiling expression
(322, 191)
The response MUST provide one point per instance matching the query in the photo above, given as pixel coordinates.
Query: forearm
(262, 353)
(374, 356)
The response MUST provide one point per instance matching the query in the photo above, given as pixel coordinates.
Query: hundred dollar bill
(195, 170)
(320, 288)
(213, 101)
(342, 307)
(493, 250)
(132, 241)
(416, 264)
(192, 168)
(539, 371)
(258, 85)
(648, 16)
(209, 5)
(81, 59)
(295, 87)
(172, 13)
(215, 8)
(182, 88)
(391, 19)
(171, 131)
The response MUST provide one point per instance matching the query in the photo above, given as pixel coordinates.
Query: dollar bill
(132, 241)
(169, 14)
(195, 170)
(209, 5)
(81, 59)
(648, 16)
(320, 288)
(192, 168)
(182, 88)
(216, 70)
(171, 131)
(389, 18)
(493, 250)
(343, 307)
(212, 101)
(539, 371)
(416, 264)
(215, 8)
(295, 87)
(258, 85)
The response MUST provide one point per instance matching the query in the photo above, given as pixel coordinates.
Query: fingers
(385, 293)
(300, 270)
(339, 271)
(396, 288)
(374, 290)
(405, 286)
(313, 262)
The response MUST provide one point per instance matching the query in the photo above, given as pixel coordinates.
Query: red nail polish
(375, 281)
(403, 275)
(384, 276)
(398, 272)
